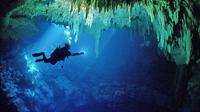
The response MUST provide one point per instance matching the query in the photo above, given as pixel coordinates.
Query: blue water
(126, 76)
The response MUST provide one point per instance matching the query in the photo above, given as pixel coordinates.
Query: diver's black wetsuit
(57, 55)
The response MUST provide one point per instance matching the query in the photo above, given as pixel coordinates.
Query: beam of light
(32, 69)
(38, 82)
(52, 38)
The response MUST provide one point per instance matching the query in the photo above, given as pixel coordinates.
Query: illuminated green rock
(172, 21)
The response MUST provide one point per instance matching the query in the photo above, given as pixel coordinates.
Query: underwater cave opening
(129, 74)
(122, 70)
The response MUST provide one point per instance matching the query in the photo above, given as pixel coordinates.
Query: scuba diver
(57, 55)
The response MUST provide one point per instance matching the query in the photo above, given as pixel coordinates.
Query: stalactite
(164, 15)
(87, 11)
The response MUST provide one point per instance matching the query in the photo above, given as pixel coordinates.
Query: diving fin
(37, 54)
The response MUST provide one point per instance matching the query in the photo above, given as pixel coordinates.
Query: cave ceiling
(175, 23)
